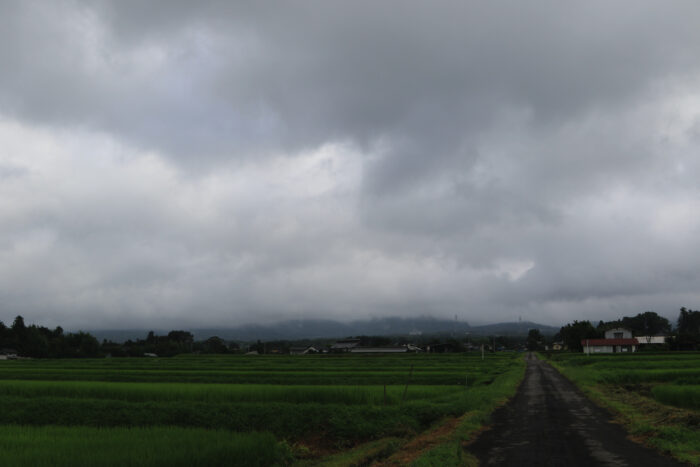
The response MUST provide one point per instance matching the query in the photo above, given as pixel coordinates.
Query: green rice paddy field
(242, 410)
(657, 396)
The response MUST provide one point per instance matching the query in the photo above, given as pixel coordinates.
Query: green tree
(35, 343)
(573, 333)
(214, 344)
(688, 327)
(534, 339)
(82, 344)
(18, 326)
(648, 323)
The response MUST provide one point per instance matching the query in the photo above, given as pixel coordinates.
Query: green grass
(687, 397)
(140, 392)
(236, 369)
(82, 446)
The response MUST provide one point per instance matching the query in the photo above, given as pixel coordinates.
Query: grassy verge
(363, 454)
(452, 452)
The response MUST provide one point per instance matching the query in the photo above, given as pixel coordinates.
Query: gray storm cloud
(215, 163)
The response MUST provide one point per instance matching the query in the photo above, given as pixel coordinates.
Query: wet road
(551, 423)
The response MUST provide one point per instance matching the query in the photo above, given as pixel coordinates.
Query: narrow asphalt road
(550, 422)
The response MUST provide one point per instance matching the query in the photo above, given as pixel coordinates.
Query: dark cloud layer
(224, 162)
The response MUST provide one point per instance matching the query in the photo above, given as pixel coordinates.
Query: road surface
(550, 422)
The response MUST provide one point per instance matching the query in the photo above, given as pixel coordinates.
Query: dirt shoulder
(550, 422)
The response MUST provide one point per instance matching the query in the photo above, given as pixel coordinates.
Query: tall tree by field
(41, 342)
(688, 328)
(18, 325)
(648, 323)
(534, 339)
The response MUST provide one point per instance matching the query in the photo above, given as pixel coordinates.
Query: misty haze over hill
(311, 329)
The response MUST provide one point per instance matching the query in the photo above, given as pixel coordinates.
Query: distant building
(440, 348)
(651, 340)
(8, 354)
(618, 333)
(353, 346)
(379, 350)
(557, 346)
(618, 340)
(302, 350)
(345, 345)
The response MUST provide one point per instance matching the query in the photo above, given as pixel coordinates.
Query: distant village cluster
(643, 332)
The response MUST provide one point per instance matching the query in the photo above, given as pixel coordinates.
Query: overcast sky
(191, 164)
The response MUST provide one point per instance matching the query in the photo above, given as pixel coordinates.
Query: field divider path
(550, 422)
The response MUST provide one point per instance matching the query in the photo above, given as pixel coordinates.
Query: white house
(616, 340)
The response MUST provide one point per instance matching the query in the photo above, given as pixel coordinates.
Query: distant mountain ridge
(320, 328)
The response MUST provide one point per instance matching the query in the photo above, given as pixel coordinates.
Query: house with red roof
(616, 340)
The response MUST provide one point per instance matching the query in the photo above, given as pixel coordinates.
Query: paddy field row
(296, 409)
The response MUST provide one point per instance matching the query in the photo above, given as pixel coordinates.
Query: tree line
(41, 342)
